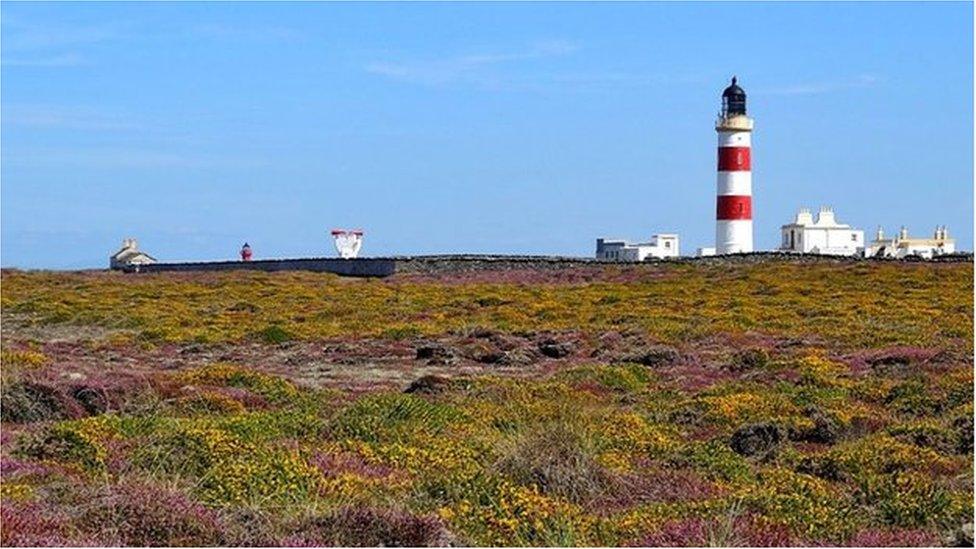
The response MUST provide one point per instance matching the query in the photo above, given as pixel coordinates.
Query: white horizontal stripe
(734, 183)
(734, 139)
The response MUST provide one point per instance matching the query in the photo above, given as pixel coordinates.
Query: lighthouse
(733, 225)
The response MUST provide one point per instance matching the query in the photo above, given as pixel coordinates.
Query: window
(853, 237)
(667, 244)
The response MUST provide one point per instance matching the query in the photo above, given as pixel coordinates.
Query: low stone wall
(366, 267)
(432, 264)
(386, 266)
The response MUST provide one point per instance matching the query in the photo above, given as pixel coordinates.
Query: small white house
(823, 236)
(129, 254)
(903, 245)
(661, 246)
(705, 252)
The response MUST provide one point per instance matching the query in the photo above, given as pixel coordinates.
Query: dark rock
(825, 430)
(491, 357)
(429, 385)
(518, 357)
(27, 401)
(192, 349)
(691, 414)
(436, 354)
(243, 307)
(750, 359)
(757, 440)
(92, 399)
(945, 441)
(655, 356)
(963, 536)
(821, 467)
(428, 352)
(491, 301)
(963, 426)
(554, 349)
(481, 332)
(507, 342)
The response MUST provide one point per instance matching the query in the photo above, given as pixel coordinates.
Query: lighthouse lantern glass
(734, 105)
(733, 100)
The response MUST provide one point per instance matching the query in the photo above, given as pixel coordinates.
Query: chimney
(826, 216)
(803, 217)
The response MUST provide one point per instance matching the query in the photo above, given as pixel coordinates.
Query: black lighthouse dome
(733, 100)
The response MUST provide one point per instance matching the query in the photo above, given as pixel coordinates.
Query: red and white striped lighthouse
(733, 227)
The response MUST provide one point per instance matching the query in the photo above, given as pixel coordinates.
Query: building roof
(825, 220)
(734, 90)
(128, 253)
(906, 242)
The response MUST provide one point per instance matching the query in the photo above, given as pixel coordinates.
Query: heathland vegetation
(774, 403)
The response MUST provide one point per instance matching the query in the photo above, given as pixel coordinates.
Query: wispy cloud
(28, 44)
(56, 60)
(23, 36)
(64, 117)
(467, 67)
(31, 44)
(817, 88)
(119, 158)
(239, 33)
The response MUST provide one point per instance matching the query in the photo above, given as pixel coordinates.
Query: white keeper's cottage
(823, 236)
(661, 246)
(904, 245)
(129, 254)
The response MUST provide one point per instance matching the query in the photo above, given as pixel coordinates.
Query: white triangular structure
(348, 242)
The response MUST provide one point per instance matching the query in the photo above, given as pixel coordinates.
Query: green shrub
(716, 461)
(389, 417)
(79, 442)
(558, 461)
(275, 334)
(911, 398)
(273, 388)
(910, 500)
(810, 507)
(228, 470)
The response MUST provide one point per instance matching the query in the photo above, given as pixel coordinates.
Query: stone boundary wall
(386, 266)
(364, 267)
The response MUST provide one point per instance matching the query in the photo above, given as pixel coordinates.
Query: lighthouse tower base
(733, 237)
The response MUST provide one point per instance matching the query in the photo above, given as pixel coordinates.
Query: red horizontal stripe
(734, 159)
(734, 207)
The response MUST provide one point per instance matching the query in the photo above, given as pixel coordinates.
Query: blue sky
(447, 128)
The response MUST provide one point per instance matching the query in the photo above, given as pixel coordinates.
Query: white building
(904, 245)
(705, 252)
(661, 246)
(821, 236)
(129, 254)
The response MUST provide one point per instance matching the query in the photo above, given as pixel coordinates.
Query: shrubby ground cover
(741, 404)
